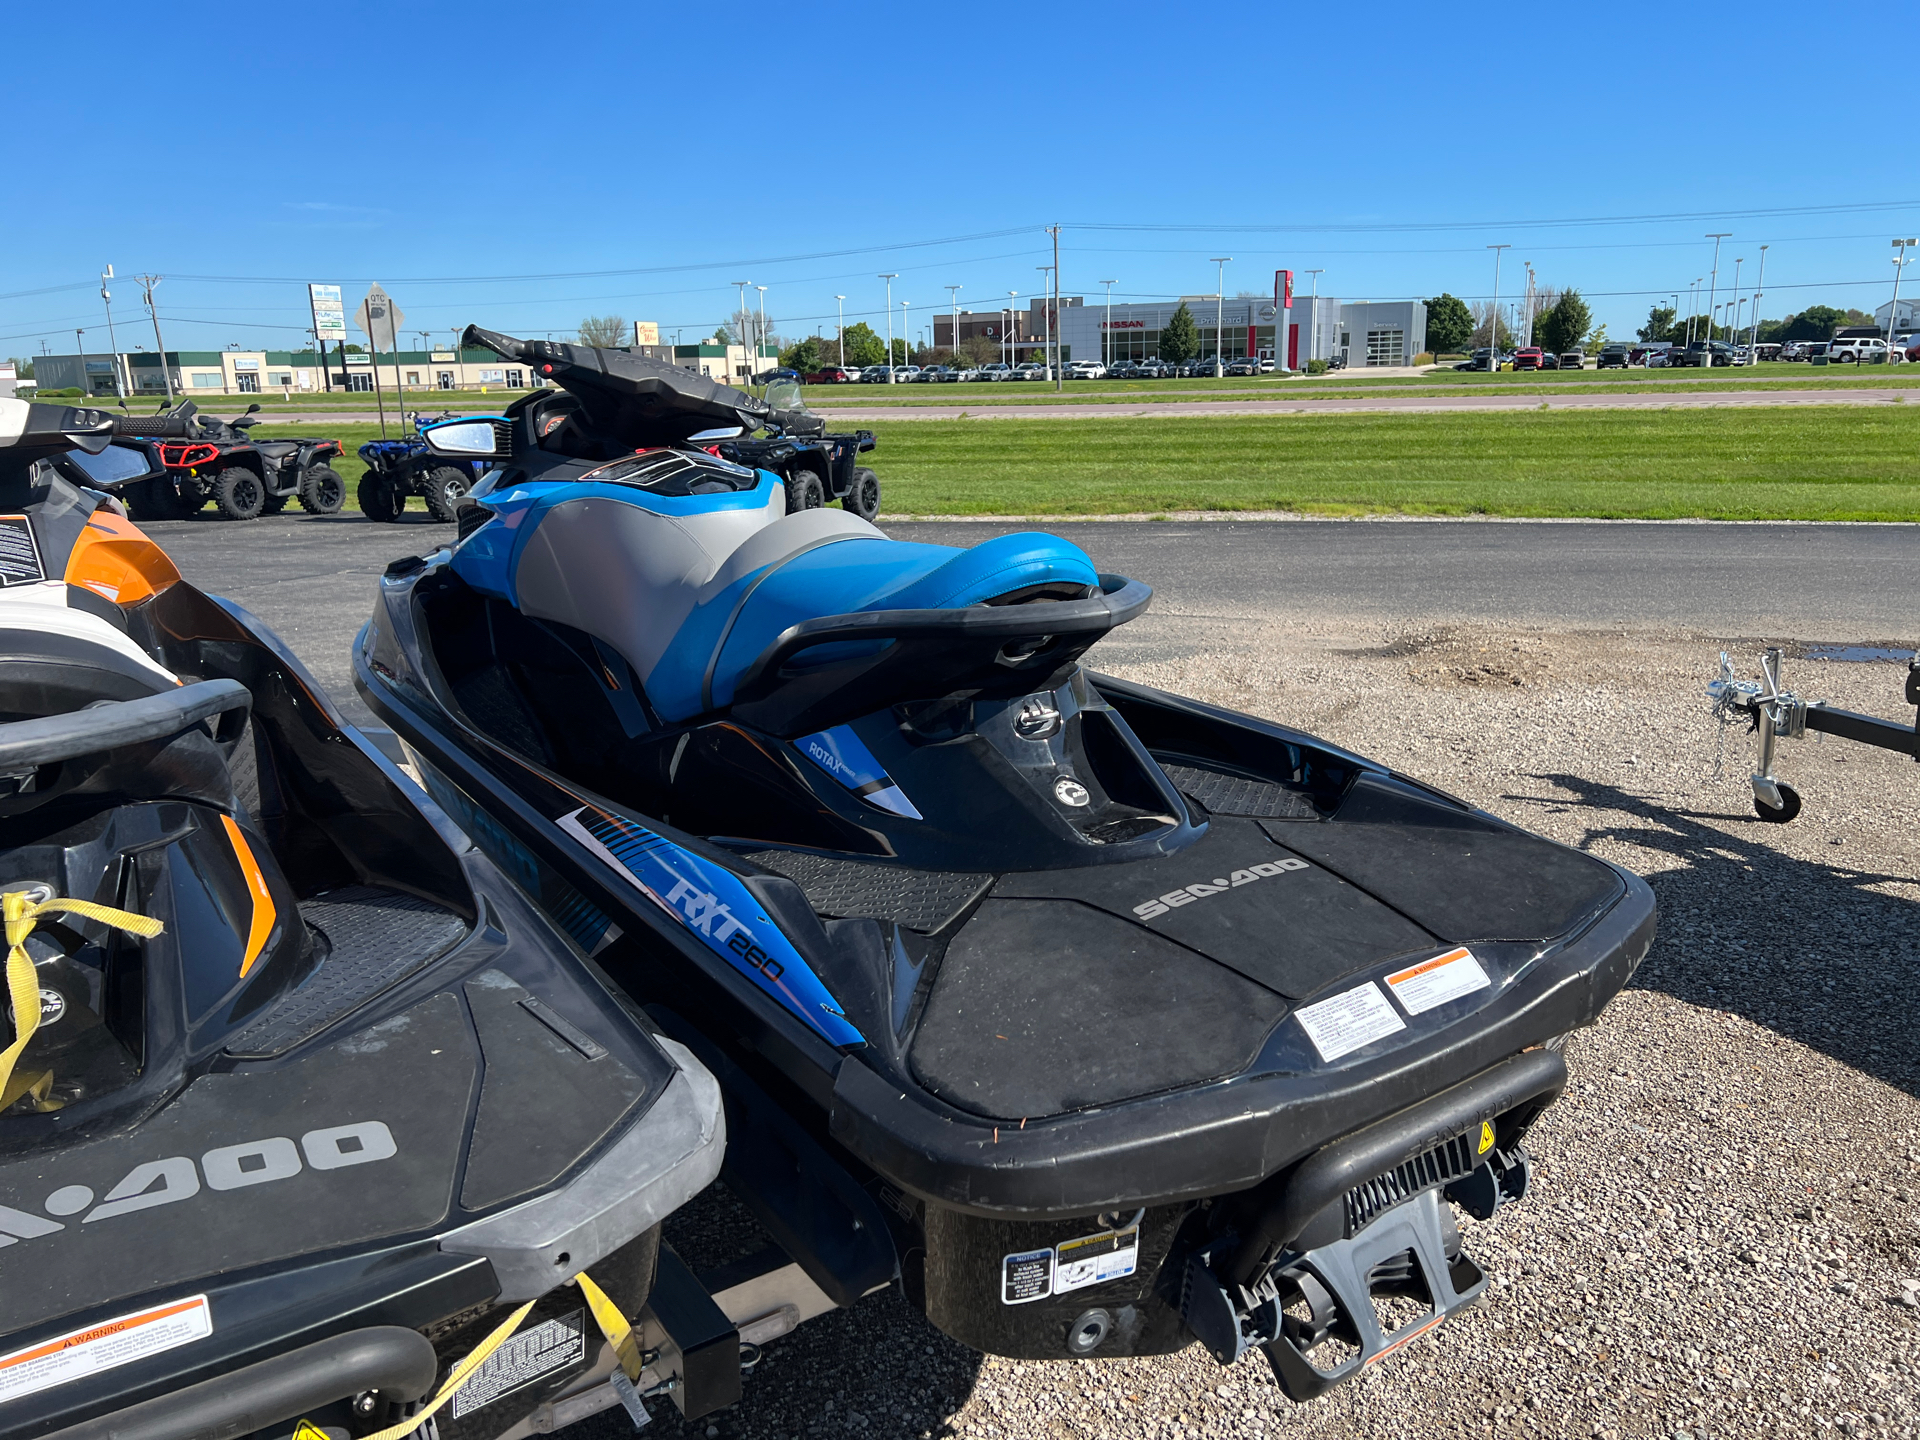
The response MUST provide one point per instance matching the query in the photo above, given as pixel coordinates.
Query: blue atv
(403, 467)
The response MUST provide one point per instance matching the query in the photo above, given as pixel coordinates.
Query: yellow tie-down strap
(23, 989)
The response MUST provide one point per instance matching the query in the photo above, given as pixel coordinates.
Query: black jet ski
(303, 1104)
(1100, 1019)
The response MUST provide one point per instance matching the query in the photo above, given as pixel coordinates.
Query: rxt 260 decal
(226, 1167)
(1174, 899)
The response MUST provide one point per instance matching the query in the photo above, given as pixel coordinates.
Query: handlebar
(28, 743)
(152, 427)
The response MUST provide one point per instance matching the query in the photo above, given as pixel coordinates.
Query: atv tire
(863, 495)
(322, 491)
(381, 501)
(445, 486)
(238, 493)
(805, 491)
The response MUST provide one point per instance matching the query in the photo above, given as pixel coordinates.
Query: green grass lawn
(1790, 463)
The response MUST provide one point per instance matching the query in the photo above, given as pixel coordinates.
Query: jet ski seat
(690, 589)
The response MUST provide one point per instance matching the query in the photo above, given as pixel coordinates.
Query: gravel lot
(1722, 1239)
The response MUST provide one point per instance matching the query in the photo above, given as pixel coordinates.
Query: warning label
(19, 555)
(1434, 982)
(1095, 1259)
(1026, 1276)
(104, 1347)
(529, 1356)
(1349, 1021)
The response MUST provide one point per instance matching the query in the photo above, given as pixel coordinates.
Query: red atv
(244, 477)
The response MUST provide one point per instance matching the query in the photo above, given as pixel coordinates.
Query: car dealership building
(1363, 332)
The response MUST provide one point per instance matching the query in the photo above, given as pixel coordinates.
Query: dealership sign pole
(1283, 308)
(329, 323)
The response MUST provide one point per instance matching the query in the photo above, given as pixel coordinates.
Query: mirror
(253, 409)
(725, 432)
(462, 437)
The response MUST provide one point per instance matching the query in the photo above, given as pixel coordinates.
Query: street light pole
(1012, 319)
(762, 343)
(905, 333)
(1753, 336)
(1493, 315)
(1734, 333)
(890, 279)
(1059, 379)
(953, 296)
(1046, 317)
(125, 387)
(1219, 312)
(81, 345)
(740, 319)
(1893, 311)
(1313, 332)
(841, 329)
(1106, 345)
(1713, 285)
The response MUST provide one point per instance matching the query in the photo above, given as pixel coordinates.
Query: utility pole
(146, 284)
(1526, 330)
(1753, 336)
(1493, 321)
(840, 301)
(1046, 318)
(1106, 339)
(890, 279)
(1313, 335)
(1713, 285)
(754, 363)
(1012, 319)
(953, 295)
(1219, 313)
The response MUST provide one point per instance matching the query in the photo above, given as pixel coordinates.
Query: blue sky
(523, 166)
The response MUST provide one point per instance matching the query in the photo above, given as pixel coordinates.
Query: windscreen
(113, 464)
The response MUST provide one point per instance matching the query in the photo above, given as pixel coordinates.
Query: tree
(605, 332)
(1483, 321)
(863, 346)
(901, 351)
(721, 336)
(1179, 337)
(806, 356)
(1565, 326)
(23, 369)
(1659, 324)
(979, 350)
(1449, 324)
(1597, 341)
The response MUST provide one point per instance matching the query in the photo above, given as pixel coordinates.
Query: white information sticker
(1095, 1259)
(1350, 1020)
(1434, 982)
(106, 1346)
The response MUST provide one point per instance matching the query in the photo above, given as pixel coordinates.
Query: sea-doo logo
(1174, 899)
(708, 914)
(227, 1167)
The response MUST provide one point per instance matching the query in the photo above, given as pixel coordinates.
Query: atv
(244, 477)
(403, 467)
(816, 467)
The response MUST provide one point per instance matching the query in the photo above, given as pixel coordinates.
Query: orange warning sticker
(1434, 982)
(104, 1347)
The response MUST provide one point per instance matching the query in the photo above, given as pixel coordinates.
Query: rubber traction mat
(1231, 795)
(922, 900)
(377, 938)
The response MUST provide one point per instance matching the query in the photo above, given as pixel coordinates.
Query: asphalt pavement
(312, 579)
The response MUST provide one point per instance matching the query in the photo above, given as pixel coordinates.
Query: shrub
(1316, 367)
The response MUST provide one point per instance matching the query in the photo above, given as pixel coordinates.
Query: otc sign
(380, 320)
(329, 313)
(1283, 289)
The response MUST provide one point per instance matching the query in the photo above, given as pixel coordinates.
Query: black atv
(244, 477)
(817, 467)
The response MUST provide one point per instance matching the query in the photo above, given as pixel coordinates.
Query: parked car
(1858, 350)
(1615, 357)
(903, 374)
(1245, 365)
(1912, 351)
(1703, 354)
(1766, 350)
(1815, 350)
(1529, 357)
(832, 375)
(1572, 360)
(874, 375)
(936, 374)
(1084, 370)
(963, 374)
(779, 372)
(1032, 370)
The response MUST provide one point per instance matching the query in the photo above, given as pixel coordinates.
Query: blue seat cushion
(845, 577)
